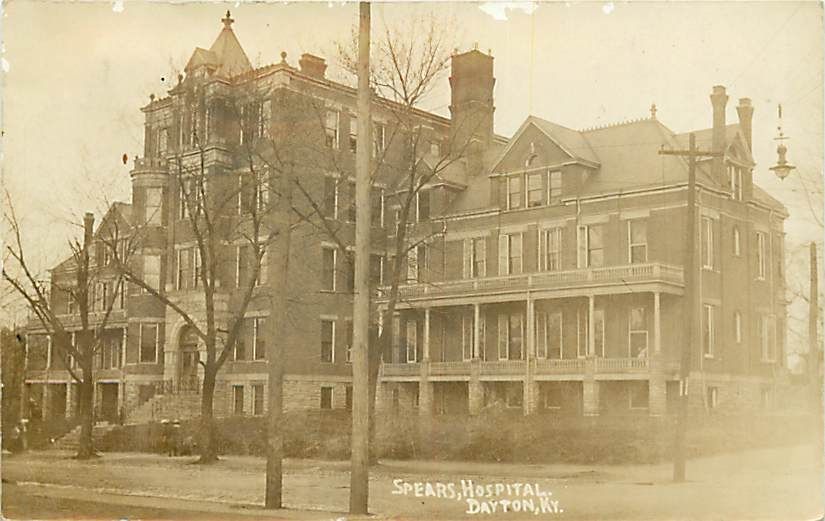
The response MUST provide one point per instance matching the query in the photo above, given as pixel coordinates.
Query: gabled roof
(704, 139)
(570, 141)
(226, 56)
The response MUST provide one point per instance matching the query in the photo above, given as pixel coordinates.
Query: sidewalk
(783, 483)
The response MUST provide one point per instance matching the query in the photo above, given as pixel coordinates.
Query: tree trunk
(86, 449)
(209, 435)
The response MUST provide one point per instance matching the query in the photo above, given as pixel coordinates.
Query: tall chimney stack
(471, 105)
(719, 99)
(88, 228)
(745, 111)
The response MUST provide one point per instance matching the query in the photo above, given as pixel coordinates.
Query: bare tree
(88, 288)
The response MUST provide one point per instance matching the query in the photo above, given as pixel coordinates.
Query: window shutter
(503, 255)
(467, 270)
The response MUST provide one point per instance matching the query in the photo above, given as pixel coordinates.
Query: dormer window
(735, 175)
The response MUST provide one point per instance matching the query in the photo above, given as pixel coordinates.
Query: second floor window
(331, 128)
(417, 263)
(330, 197)
(554, 187)
(259, 339)
(708, 330)
(637, 333)
(735, 174)
(353, 133)
(189, 268)
(328, 268)
(377, 202)
(535, 189)
(151, 271)
(591, 246)
(509, 254)
(422, 205)
(549, 335)
(761, 256)
(475, 257)
(551, 249)
(707, 243)
(637, 241)
(148, 339)
(510, 335)
(328, 341)
(378, 139)
(153, 207)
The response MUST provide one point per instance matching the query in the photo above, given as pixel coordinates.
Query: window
(183, 204)
(549, 335)
(263, 269)
(737, 244)
(377, 209)
(113, 348)
(712, 397)
(735, 174)
(264, 118)
(328, 341)
(331, 128)
(637, 241)
(475, 257)
(331, 197)
(598, 332)
(411, 341)
(151, 271)
(237, 399)
(513, 192)
(637, 345)
(148, 339)
(551, 396)
(707, 243)
(708, 331)
(259, 339)
(422, 205)
(417, 263)
(761, 256)
(737, 326)
(353, 133)
(767, 337)
(348, 398)
(591, 246)
(378, 138)
(185, 268)
(246, 336)
(326, 397)
(510, 334)
(257, 399)
(153, 207)
(349, 201)
(509, 254)
(350, 334)
(163, 140)
(467, 336)
(328, 268)
(376, 269)
(554, 188)
(535, 189)
(71, 304)
(551, 249)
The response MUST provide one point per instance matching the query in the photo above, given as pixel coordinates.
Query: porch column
(657, 325)
(476, 331)
(475, 391)
(426, 345)
(591, 326)
(529, 384)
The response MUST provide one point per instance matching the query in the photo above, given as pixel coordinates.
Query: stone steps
(71, 440)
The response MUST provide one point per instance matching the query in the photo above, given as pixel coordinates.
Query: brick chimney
(745, 111)
(719, 99)
(471, 105)
(313, 66)
(88, 228)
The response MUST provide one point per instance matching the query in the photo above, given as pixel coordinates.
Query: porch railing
(548, 279)
(621, 364)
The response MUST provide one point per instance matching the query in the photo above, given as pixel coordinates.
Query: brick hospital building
(555, 285)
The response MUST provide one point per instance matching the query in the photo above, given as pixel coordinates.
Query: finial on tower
(227, 21)
(653, 111)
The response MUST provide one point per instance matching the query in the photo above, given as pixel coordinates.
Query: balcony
(664, 275)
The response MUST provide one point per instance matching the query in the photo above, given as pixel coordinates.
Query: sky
(76, 75)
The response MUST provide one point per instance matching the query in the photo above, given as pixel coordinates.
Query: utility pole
(359, 472)
(813, 362)
(690, 304)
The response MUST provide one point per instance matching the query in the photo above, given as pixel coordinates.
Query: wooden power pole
(690, 305)
(359, 472)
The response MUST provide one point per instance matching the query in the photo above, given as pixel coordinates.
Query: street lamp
(782, 168)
